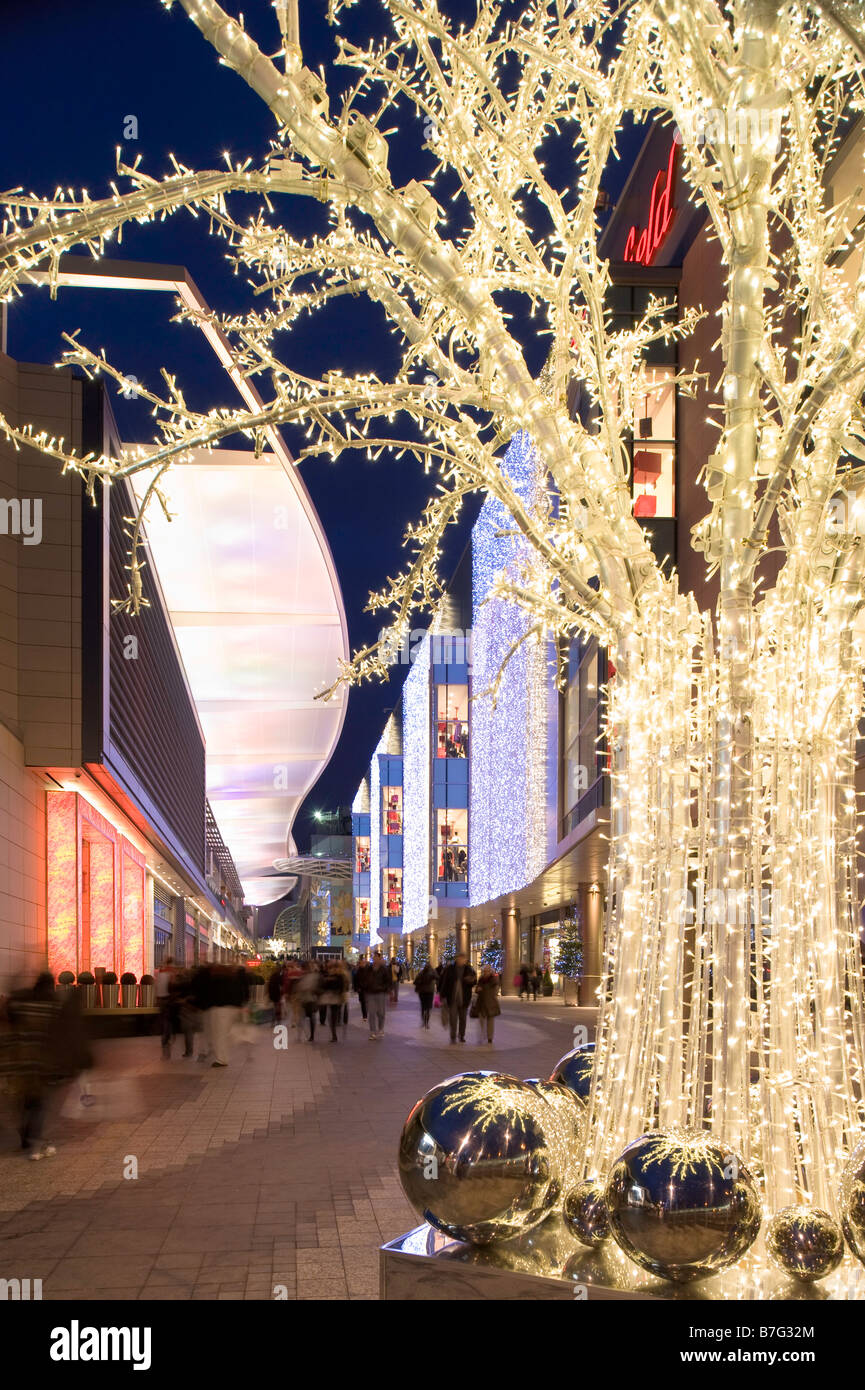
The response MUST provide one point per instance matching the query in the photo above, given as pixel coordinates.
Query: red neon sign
(643, 246)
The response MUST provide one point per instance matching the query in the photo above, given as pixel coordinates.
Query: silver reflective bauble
(574, 1070)
(804, 1242)
(851, 1202)
(681, 1204)
(585, 1213)
(478, 1158)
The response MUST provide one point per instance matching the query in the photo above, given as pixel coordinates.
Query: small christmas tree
(449, 950)
(421, 955)
(493, 955)
(569, 961)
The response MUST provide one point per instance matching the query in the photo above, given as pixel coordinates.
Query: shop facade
(102, 824)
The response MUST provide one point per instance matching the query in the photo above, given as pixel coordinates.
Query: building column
(409, 950)
(591, 901)
(463, 935)
(510, 949)
(433, 944)
(178, 932)
(534, 934)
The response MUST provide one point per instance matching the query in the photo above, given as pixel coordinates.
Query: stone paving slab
(275, 1177)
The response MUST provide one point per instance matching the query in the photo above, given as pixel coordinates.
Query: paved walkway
(278, 1171)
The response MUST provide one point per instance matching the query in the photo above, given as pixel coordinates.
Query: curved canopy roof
(253, 595)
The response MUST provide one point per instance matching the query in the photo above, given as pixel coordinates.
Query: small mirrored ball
(804, 1242)
(585, 1213)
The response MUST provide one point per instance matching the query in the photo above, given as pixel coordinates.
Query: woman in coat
(425, 985)
(486, 994)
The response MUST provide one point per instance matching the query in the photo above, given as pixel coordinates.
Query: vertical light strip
(416, 716)
(507, 795)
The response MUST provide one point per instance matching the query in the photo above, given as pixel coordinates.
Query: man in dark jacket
(456, 985)
(375, 982)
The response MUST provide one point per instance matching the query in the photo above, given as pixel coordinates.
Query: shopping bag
(437, 1003)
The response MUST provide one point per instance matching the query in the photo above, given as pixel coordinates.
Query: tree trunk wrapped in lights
(733, 994)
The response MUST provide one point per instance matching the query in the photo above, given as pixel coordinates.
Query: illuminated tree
(732, 734)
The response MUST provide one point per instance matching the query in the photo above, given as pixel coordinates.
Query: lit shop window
(654, 474)
(361, 854)
(391, 810)
(452, 851)
(583, 759)
(392, 898)
(452, 721)
(361, 915)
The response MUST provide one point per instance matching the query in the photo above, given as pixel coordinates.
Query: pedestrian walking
(293, 972)
(357, 976)
(395, 977)
(334, 995)
(425, 985)
(274, 992)
(166, 1004)
(29, 1059)
(377, 983)
(306, 992)
(486, 1001)
(457, 982)
(535, 980)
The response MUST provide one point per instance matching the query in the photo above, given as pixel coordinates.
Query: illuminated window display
(452, 861)
(452, 721)
(95, 891)
(582, 756)
(392, 895)
(361, 854)
(391, 810)
(654, 445)
(361, 916)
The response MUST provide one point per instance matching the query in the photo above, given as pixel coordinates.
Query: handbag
(474, 1010)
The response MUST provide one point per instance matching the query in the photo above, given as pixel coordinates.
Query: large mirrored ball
(585, 1213)
(574, 1070)
(804, 1242)
(851, 1202)
(478, 1158)
(681, 1204)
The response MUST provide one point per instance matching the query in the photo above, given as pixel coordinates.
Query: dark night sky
(72, 73)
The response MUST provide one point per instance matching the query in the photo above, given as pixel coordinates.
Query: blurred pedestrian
(395, 977)
(29, 1059)
(188, 1017)
(293, 972)
(457, 982)
(377, 984)
(333, 995)
(425, 985)
(536, 980)
(166, 1005)
(306, 991)
(357, 976)
(274, 992)
(486, 995)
